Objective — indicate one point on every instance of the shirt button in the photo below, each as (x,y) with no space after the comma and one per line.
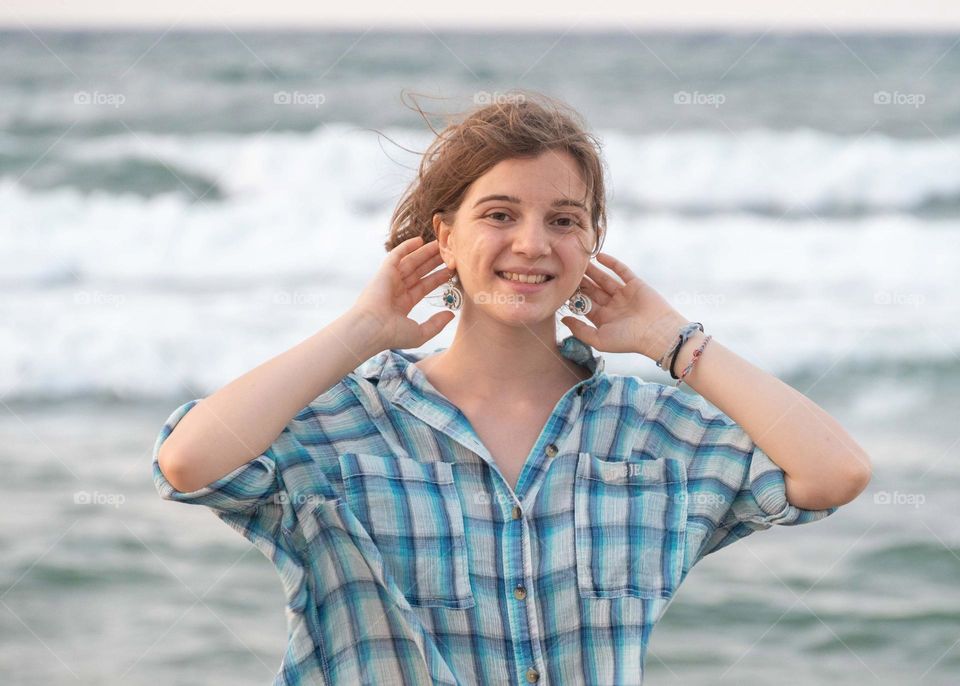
(517,512)
(533,676)
(551,450)
(520,592)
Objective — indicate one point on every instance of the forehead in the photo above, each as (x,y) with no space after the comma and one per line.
(542,179)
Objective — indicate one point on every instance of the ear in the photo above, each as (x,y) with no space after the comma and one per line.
(444,234)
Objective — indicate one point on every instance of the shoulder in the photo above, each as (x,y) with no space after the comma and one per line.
(644,396)
(673,414)
(344,397)
(670,401)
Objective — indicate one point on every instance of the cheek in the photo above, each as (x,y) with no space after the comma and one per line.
(584,242)
(485,252)
(573,259)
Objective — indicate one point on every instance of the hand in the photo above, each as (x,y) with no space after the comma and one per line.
(400,284)
(630,316)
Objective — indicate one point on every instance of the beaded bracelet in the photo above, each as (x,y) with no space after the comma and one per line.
(696,356)
(685,332)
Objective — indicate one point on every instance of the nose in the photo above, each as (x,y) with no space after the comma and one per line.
(532,238)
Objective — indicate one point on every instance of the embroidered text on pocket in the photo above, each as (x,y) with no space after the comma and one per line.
(630,519)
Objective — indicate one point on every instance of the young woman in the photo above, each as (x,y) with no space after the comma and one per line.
(502,510)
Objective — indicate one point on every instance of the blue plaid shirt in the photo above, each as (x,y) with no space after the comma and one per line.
(406,558)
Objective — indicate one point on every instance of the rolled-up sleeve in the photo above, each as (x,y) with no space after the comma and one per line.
(733,487)
(245,487)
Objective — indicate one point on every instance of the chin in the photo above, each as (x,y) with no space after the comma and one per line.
(525,314)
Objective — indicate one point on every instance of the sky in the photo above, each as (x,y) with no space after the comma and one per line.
(820,15)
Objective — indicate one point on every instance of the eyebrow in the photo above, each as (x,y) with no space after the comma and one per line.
(560,202)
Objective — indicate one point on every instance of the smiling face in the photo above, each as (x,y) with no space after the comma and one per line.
(523,215)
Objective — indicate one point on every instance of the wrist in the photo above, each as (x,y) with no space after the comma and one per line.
(686,355)
(662,340)
(364,332)
(686,350)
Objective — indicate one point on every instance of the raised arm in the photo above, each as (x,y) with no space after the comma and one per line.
(823,466)
(241,420)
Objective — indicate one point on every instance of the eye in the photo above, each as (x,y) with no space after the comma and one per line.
(496,213)
(573,220)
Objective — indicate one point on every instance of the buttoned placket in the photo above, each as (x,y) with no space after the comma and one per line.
(525,631)
(517,555)
(528,631)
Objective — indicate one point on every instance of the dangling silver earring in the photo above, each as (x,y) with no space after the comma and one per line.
(579,303)
(452,296)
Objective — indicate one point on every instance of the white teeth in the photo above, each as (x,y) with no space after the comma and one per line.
(524,278)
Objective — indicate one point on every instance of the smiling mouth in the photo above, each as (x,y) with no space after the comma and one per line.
(524,278)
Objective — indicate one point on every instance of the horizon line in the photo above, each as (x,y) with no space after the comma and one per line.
(606,27)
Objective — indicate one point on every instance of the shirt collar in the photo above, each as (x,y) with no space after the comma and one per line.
(391,366)
(402,384)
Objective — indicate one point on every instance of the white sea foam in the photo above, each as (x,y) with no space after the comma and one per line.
(704,171)
(146,296)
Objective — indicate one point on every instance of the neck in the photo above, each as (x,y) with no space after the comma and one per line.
(501,360)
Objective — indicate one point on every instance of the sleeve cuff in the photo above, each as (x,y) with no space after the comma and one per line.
(768,487)
(245,487)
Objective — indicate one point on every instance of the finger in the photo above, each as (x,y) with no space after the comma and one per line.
(405,247)
(621,269)
(424,255)
(401,250)
(435,324)
(429,283)
(425,267)
(603,280)
(594,292)
(581,330)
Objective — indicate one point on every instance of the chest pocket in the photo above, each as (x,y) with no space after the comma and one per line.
(412,512)
(630,526)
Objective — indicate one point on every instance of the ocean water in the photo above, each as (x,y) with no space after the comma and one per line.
(179,207)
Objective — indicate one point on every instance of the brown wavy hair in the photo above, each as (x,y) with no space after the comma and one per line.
(518,123)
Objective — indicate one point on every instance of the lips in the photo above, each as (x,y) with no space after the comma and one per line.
(523,287)
(549,277)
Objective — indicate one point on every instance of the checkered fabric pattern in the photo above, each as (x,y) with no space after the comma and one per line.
(406,557)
